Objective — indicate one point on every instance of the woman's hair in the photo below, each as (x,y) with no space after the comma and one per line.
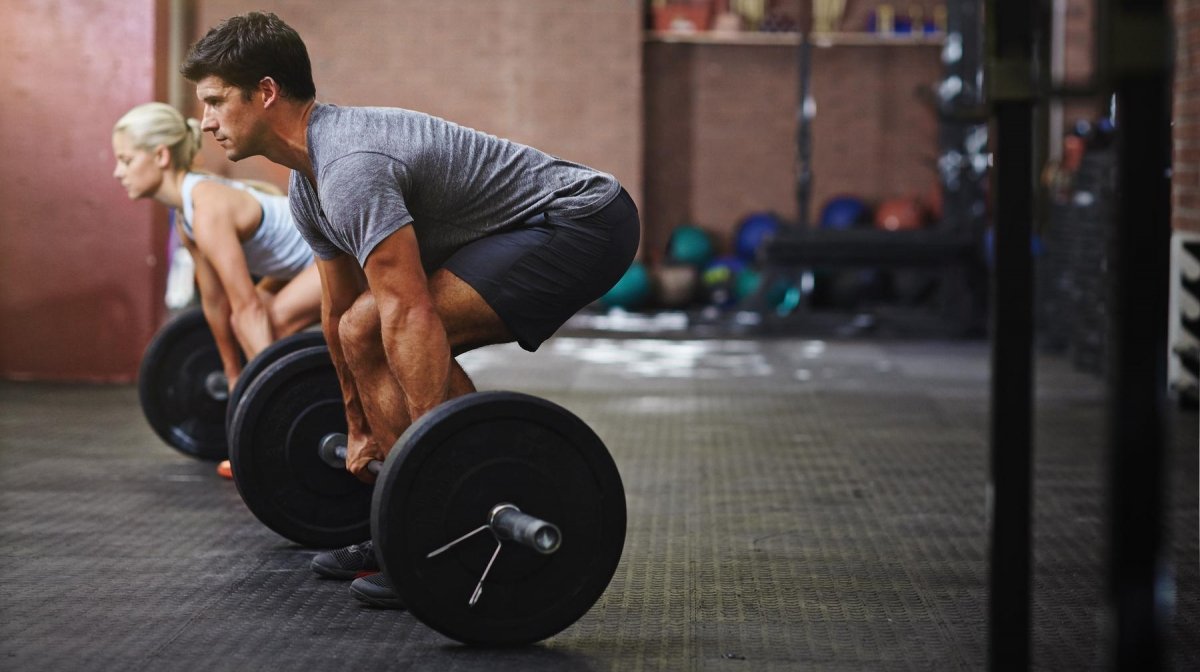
(153,124)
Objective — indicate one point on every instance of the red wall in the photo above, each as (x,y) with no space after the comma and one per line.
(82,272)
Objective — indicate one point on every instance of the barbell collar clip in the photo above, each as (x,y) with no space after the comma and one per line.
(509,522)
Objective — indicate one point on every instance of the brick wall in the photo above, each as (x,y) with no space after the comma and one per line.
(721,130)
(1185,184)
(562,76)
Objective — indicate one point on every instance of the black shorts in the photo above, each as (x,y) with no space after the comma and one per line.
(537,276)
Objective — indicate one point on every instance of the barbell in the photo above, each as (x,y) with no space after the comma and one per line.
(499,517)
(182,386)
(505,520)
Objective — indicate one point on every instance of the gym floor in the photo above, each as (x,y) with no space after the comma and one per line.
(793,504)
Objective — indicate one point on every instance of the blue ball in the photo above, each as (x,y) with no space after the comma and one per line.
(721,271)
(753,232)
(844,212)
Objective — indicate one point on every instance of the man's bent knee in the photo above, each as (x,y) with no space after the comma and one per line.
(359,329)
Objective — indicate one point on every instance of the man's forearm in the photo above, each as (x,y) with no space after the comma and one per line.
(418,355)
(356,419)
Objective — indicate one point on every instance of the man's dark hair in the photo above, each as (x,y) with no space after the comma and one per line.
(243,49)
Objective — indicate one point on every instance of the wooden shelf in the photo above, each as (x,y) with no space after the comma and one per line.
(822,40)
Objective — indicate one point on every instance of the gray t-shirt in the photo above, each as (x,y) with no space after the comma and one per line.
(379,169)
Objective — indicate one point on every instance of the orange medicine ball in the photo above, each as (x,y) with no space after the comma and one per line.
(899,214)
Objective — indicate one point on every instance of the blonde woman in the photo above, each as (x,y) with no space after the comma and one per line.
(233,230)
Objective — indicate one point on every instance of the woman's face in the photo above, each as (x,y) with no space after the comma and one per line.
(137,169)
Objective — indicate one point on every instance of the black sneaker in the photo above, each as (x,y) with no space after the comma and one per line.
(376,591)
(346,563)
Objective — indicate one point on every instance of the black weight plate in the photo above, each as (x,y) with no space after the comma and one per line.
(273,448)
(172,391)
(270,354)
(442,479)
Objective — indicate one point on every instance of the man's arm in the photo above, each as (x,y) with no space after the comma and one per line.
(216,211)
(414,337)
(341,285)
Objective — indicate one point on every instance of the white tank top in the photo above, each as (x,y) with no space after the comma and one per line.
(276,249)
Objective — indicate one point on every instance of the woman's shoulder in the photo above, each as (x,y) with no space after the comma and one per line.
(211,194)
(218,186)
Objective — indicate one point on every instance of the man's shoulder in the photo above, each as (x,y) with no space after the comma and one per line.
(347,138)
(333,120)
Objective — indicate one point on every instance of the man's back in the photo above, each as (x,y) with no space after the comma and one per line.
(379,169)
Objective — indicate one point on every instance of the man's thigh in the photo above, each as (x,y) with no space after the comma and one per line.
(536,277)
(469,320)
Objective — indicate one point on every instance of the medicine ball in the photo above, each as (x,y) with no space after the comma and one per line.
(844,212)
(753,231)
(631,290)
(689,245)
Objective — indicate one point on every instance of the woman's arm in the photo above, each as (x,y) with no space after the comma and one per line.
(218,210)
(215,305)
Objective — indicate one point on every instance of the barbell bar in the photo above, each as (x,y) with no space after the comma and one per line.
(505,520)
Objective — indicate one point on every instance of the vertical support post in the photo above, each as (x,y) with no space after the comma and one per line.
(805,112)
(1012,83)
(963,166)
(1139,584)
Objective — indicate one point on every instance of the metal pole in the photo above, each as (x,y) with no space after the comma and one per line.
(1012,76)
(805,112)
(1138,583)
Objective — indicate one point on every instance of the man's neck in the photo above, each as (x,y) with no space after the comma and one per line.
(291,150)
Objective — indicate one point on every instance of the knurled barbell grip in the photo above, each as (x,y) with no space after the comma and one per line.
(333,451)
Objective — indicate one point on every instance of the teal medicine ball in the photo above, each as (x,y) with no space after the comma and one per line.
(749,281)
(631,290)
(690,245)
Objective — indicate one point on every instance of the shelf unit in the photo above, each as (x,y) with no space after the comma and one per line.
(821,40)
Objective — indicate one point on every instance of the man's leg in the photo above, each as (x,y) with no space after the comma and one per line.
(469,323)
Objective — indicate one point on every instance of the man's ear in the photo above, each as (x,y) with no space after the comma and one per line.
(270,90)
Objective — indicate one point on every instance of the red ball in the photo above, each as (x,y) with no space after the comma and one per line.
(899,214)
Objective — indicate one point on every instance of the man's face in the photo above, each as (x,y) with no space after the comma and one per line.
(235,122)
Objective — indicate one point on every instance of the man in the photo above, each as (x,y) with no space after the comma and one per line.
(431,239)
